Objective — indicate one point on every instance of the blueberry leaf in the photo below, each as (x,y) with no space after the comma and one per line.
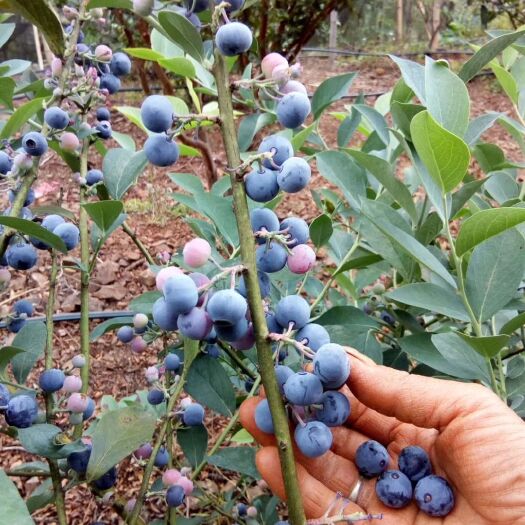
(14,509)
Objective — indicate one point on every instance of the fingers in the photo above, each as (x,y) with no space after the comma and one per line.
(247,419)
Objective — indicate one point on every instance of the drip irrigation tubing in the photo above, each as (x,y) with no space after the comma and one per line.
(345,52)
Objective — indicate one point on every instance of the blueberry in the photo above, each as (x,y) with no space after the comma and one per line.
(263,417)
(296,229)
(89,410)
(231,333)
(125,334)
(120,64)
(51,380)
(34,143)
(434,496)
(242,509)
(5,396)
(264,285)
(293,109)
(175,496)
(164,315)
(103,114)
(104,129)
(15,325)
(303,388)
(388,318)
(157,113)
(78,461)
(5,163)
(227,307)
(263,219)
(161,151)
(94,176)
(69,233)
(371,459)
(172,362)
(313,439)
(414,463)
(110,82)
(56,118)
(196,6)
(280,146)
(294,175)
(162,458)
(233,39)
(23,306)
(155,396)
(271,257)
(273,326)
(332,365)
(292,309)
(335,411)
(313,336)
(194,19)
(181,294)
(261,186)
(50,222)
(282,373)
(394,489)
(21,256)
(213,351)
(248,385)
(107,480)
(193,415)
(21,411)
(246,341)
(30,198)
(196,324)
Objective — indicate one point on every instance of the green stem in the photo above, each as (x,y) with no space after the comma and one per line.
(138,243)
(27,474)
(247,245)
(15,385)
(236,359)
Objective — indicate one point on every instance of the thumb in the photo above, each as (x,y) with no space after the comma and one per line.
(423,401)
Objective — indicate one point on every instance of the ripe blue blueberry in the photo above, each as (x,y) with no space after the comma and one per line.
(248,385)
(34,143)
(5,396)
(246,341)
(21,256)
(155,396)
(193,415)
(30,198)
(233,39)
(332,365)
(180,293)
(107,480)
(103,114)
(280,146)
(293,109)
(5,163)
(263,219)
(69,233)
(227,307)
(294,175)
(196,324)
(242,509)
(296,229)
(394,489)
(125,334)
(50,222)
(196,6)
(89,410)
(51,380)
(94,176)
(172,362)
(165,316)
(303,388)
(261,186)
(157,113)
(388,318)
(120,64)
(271,257)
(194,19)
(263,417)
(213,351)
(23,306)
(371,459)
(15,325)
(104,130)
(434,496)
(292,309)
(232,333)
(110,82)
(21,411)
(161,151)
(264,285)
(313,439)
(271,322)
(335,410)
(414,463)
(162,458)
(313,336)
(175,496)
(78,461)
(56,118)
(282,373)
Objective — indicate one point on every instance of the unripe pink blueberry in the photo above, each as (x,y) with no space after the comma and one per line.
(78,361)
(143,7)
(77,402)
(165,274)
(185,471)
(186,484)
(171,477)
(138,345)
(302,259)
(270,61)
(152,374)
(57,92)
(103,53)
(144,451)
(23,161)
(130,505)
(281,73)
(5,275)
(293,86)
(140,321)
(185,402)
(69,141)
(196,252)
(56,67)
(296,70)
(72,384)
(251,512)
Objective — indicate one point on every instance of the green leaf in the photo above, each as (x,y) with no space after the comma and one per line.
(31,466)
(302,136)
(237,459)
(413,75)
(494,272)
(444,154)
(123,140)
(7,87)
(104,213)
(6,30)
(6,355)
(40,497)
(144,303)
(250,125)
(10,68)
(463,195)
(12,507)
(514,324)
(121,170)
(40,14)
(220,211)
(359,262)
(243,437)
(45,440)
(117,434)
(447,98)
(376,120)
(321,230)
(431,297)
(330,91)
(486,53)
(507,82)
(48,209)
(209,384)
(181,31)
(144,53)
(20,117)
(108,326)
(384,173)
(479,125)
(347,128)
(193,441)
(133,115)
(117,4)
(403,113)
(32,340)
(487,346)
(485,224)
(187,182)
(34,230)
(179,65)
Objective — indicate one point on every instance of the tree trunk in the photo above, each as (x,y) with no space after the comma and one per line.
(400,30)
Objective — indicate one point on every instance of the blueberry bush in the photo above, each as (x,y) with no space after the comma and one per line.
(424,269)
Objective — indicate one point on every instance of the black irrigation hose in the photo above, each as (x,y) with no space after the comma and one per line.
(344,52)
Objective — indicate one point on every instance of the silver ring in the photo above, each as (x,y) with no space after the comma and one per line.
(354,494)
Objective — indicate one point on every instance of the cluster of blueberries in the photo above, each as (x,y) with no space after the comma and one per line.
(17,318)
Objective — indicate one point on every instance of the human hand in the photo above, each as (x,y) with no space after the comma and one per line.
(473,439)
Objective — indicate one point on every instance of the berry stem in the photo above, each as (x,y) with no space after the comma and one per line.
(138,243)
(247,245)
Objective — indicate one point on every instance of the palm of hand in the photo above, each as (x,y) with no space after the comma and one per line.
(473,440)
